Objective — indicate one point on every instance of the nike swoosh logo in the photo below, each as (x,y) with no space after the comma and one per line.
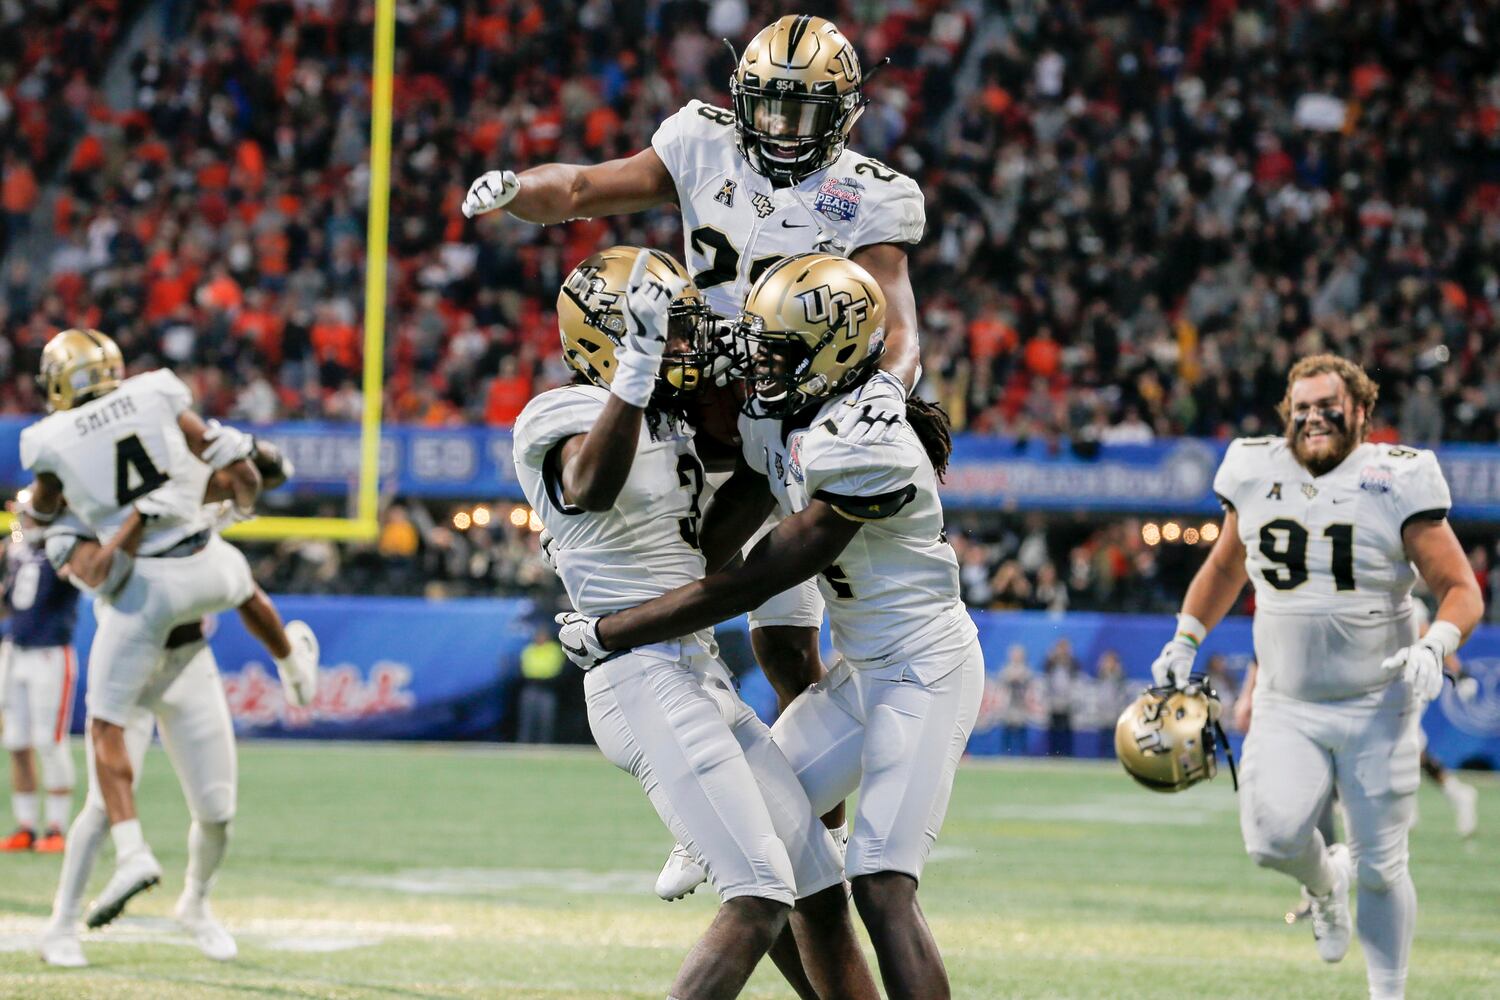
(580,651)
(787,225)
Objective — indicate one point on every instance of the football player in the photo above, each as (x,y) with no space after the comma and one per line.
(609,465)
(1327,527)
(38,677)
(133,464)
(892,717)
(771,176)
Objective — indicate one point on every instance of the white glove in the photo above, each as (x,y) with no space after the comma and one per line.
(223,445)
(1421,666)
(1174,664)
(547,541)
(647,302)
(227,515)
(579,635)
(875,413)
(299,670)
(724,364)
(491,190)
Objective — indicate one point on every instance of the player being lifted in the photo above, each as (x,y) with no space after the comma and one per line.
(133,465)
(38,677)
(609,465)
(769,177)
(1327,527)
(893,715)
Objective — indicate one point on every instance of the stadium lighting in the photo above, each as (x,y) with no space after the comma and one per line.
(1190,535)
(461,520)
(533,522)
(1171,531)
(519,516)
(1150,533)
(481,516)
(1210,532)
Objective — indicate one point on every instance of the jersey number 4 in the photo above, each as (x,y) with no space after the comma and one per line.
(1284,541)
(132,463)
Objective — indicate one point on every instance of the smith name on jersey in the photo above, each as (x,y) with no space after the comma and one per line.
(647,543)
(113,450)
(736,224)
(895,586)
(1325,555)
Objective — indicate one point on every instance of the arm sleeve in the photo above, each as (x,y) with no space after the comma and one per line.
(1420,491)
(899,214)
(861,482)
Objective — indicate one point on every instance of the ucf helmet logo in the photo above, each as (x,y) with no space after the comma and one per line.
(835,308)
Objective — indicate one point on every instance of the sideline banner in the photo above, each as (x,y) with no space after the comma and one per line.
(408,668)
(474,463)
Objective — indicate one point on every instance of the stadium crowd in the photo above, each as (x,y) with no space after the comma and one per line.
(1136,217)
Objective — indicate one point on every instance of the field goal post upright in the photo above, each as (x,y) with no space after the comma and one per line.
(365,525)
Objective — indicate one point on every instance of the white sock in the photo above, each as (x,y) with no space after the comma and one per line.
(85,838)
(59,805)
(127,837)
(207,843)
(1453,788)
(23,804)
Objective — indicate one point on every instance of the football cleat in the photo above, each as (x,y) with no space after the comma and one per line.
(134,874)
(213,940)
(52,843)
(680,876)
(22,840)
(60,947)
(1331,922)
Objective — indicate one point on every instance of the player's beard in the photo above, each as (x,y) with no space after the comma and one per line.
(1343,439)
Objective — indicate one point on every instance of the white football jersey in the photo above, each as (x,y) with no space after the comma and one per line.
(735,224)
(894,588)
(1325,555)
(119,447)
(647,543)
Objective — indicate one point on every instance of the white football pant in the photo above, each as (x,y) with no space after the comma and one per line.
(37,707)
(161,594)
(668,714)
(895,731)
(1294,756)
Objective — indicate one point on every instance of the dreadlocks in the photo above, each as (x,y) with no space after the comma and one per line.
(930,421)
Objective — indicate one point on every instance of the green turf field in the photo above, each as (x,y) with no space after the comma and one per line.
(405,872)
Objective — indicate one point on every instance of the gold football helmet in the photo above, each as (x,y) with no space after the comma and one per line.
(591,319)
(79,365)
(796,95)
(813,326)
(1168,739)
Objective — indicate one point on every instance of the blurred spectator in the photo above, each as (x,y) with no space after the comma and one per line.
(542,663)
(1112,694)
(1019,685)
(1067,697)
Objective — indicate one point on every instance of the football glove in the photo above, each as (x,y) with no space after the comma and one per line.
(579,635)
(1174,664)
(1421,663)
(224,445)
(491,190)
(547,541)
(648,299)
(875,412)
(299,669)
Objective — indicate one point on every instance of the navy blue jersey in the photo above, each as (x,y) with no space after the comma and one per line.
(43,608)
